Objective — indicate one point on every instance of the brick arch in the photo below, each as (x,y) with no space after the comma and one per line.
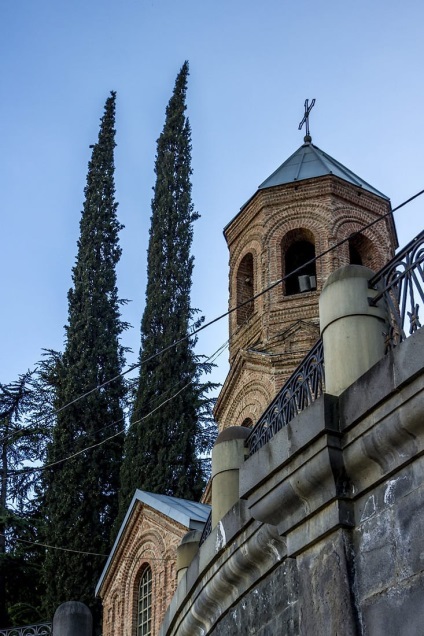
(141,588)
(139,540)
(252,247)
(298,238)
(147,550)
(354,221)
(344,215)
(249,401)
(309,217)
(252,240)
(314,216)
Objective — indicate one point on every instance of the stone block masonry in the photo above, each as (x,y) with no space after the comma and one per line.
(327,537)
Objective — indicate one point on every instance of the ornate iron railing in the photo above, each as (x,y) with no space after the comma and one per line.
(207,529)
(40,629)
(400,286)
(301,389)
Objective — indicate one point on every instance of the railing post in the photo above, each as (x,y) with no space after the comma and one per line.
(228,454)
(353,332)
(186,551)
(72,619)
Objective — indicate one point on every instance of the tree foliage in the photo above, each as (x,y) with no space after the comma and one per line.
(164,439)
(23,438)
(80,494)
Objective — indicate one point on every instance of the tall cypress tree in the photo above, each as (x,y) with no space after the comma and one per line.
(81,493)
(160,448)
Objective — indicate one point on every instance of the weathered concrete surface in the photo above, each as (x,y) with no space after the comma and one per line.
(228,454)
(72,619)
(398,613)
(352,330)
(326,602)
(270,608)
(389,548)
(328,538)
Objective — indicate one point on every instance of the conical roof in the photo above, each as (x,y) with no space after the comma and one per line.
(309,162)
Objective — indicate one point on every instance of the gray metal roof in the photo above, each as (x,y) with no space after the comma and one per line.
(188,513)
(309,162)
(191,514)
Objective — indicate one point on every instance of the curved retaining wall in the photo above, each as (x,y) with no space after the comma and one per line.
(328,536)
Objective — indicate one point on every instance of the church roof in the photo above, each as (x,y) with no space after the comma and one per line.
(191,514)
(309,162)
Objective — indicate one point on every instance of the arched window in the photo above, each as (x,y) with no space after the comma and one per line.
(245,289)
(144,614)
(247,422)
(298,248)
(360,250)
(354,255)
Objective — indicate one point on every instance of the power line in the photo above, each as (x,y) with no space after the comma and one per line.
(33,469)
(83,450)
(55,547)
(187,336)
(204,326)
(19,433)
(230,311)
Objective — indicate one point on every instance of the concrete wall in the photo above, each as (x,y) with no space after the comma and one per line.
(328,536)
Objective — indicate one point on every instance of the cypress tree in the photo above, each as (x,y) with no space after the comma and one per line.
(163,438)
(80,494)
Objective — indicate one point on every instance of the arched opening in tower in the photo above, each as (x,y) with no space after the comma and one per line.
(298,249)
(245,289)
(360,250)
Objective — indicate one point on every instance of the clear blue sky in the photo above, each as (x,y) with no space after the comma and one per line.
(252,65)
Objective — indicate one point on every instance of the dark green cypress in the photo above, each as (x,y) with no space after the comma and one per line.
(81,493)
(160,447)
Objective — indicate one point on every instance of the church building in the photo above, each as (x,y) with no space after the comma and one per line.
(306,207)
(310,206)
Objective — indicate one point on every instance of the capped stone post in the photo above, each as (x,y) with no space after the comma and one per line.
(352,330)
(228,455)
(72,619)
(186,551)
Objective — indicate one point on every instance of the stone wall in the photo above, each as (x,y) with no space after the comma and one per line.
(328,536)
(271,608)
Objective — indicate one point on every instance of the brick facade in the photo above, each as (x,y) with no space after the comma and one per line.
(270,336)
(149,539)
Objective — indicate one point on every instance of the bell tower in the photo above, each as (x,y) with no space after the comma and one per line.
(308,205)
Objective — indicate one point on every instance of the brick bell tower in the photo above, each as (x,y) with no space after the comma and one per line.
(309,204)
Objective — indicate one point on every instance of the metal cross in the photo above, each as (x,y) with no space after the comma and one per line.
(305,119)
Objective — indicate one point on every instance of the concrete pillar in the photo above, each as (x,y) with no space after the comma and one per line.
(352,330)
(186,552)
(72,619)
(228,455)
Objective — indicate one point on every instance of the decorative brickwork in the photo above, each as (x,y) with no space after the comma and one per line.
(269,337)
(149,539)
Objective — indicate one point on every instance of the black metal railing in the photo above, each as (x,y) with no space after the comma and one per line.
(400,286)
(40,629)
(207,529)
(301,389)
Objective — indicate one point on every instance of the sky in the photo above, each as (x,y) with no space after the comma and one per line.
(252,65)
